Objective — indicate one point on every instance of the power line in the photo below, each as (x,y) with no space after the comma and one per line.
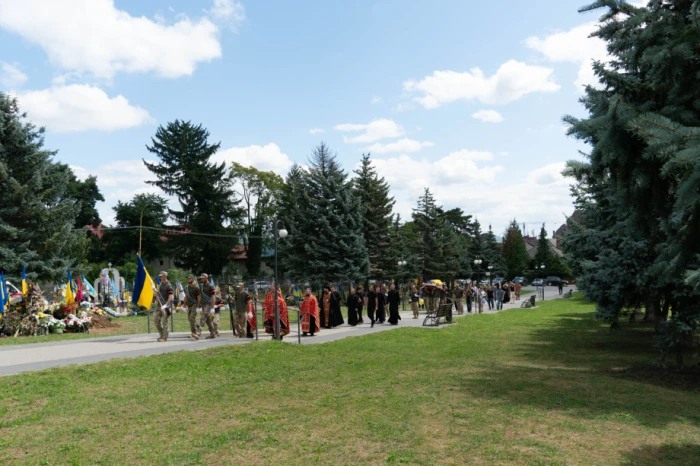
(170,231)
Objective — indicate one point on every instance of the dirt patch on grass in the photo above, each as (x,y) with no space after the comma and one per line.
(100,322)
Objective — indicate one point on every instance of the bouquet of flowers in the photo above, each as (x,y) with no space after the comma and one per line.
(75,324)
(55,325)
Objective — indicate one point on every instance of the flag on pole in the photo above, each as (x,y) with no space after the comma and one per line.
(3,293)
(89,287)
(143,286)
(70,296)
(25,287)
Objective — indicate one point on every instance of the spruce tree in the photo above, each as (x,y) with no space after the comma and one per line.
(436,243)
(37,213)
(636,242)
(292,251)
(544,253)
(204,191)
(376,207)
(492,254)
(328,224)
(514,251)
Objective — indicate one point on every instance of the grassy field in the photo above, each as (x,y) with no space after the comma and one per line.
(542,386)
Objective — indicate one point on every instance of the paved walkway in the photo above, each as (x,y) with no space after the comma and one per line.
(31,357)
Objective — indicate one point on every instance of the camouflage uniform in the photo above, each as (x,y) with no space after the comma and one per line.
(207,293)
(192,295)
(161,317)
(239,317)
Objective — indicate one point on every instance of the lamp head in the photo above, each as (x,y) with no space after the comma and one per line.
(283,233)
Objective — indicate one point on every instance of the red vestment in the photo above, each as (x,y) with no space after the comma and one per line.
(309,308)
(251,317)
(269,315)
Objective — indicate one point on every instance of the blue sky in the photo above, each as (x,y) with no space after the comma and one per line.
(396,77)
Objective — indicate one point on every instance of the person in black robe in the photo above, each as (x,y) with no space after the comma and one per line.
(354,306)
(371,303)
(394,299)
(336,315)
(324,307)
(381,304)
(361,298)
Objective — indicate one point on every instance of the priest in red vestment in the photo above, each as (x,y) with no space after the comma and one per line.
(269,315)
(251,317)
(310,320)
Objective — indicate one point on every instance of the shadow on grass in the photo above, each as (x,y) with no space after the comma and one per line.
(568,362)
(668,455)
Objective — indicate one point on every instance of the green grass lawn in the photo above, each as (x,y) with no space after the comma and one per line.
(541,386)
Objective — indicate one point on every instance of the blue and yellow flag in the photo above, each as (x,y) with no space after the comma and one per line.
(70,295)
(90,288)
(25,287)
(143,286)
(4,299)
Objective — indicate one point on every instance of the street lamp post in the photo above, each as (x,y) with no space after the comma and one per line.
(477,262)
(278,234)
(489,274)
(402,264)
(543,278)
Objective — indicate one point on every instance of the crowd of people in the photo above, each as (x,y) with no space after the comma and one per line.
(380,304)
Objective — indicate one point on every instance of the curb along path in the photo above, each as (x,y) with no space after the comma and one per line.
(15,359)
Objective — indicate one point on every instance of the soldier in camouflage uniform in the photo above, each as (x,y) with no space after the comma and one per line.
(163,313)
(208,297)
(193,302)
(239,317)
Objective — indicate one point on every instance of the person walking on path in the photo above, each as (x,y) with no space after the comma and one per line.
(381,304)
(415,301)
(208,296)
(361,304)
(269,315)
(193,303)
(499,295)
(489,297)
(470,297)
(310,320)
(324,310)
(371,303)
(459,296)
(239,317)
(394,299)
(518,288)
(251,317)
(163,314)
(561,287)
(353,307)
(481,298)
(336,314)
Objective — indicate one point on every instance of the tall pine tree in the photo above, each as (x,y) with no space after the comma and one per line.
(327,229)
(514,251)
(37,212)
(204,192)
(376,206)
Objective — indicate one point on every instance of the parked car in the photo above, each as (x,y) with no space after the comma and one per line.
(14,292)
(554,281)
(497,280)
(521,280)
(538,282)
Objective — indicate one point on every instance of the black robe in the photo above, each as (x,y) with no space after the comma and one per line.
(394,301)
(336,317)
(381,307)
(354,301)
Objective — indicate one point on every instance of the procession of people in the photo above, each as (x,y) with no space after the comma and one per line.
(204,304)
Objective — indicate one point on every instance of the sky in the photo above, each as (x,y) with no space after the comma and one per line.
(463,97)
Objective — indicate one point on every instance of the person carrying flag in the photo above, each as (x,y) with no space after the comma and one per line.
(251,316)
(193,303)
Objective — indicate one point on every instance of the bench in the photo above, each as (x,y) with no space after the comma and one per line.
(529,303)
(444,311)
(569,294)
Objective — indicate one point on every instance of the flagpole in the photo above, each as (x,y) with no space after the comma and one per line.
(141,228)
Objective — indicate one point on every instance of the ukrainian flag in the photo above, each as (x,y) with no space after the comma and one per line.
(90,288)
(143,286)
(70,296)
(3,294)
(25,287)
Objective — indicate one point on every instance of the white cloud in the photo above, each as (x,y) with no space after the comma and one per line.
(10,76)
(80,107)
(316,131)
(267,158)
(227,12)
(372,131)
(512,81)
(488,116)
(376,100)
(403,107)
(574,46)
(466,180)
(94,36)
(403,145)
